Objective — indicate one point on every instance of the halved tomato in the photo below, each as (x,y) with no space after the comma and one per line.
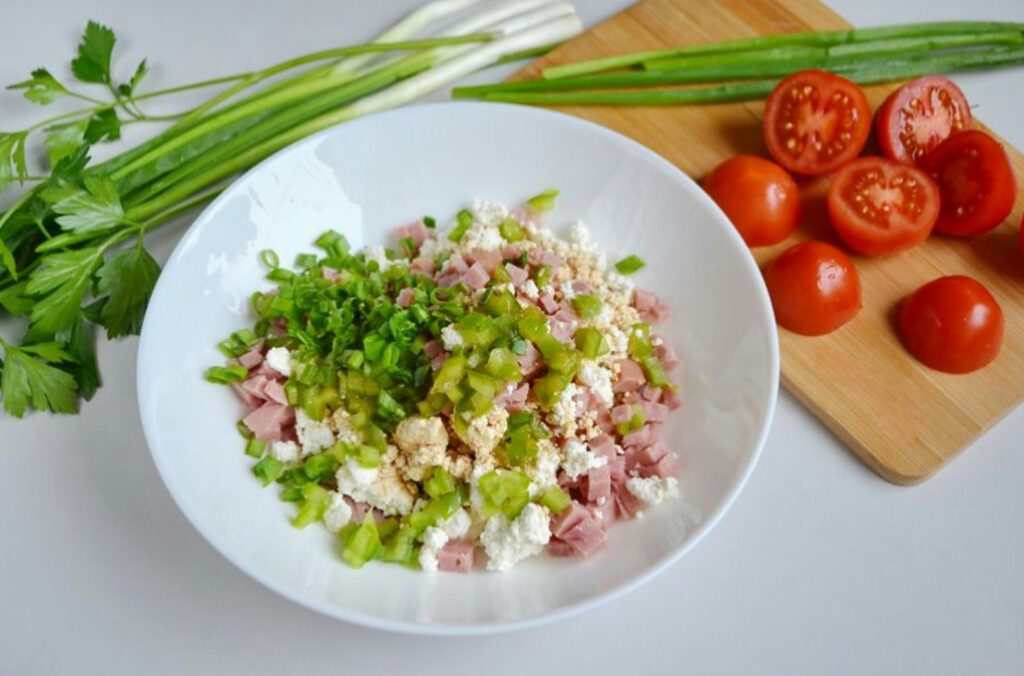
(878,206)
(975,180)
(814,288)
(919,116)
(759,197)
(815,122)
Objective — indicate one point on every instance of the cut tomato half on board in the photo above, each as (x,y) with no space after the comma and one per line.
(879,206)
(919,116)
(815,122)
(814,288)
(975,180)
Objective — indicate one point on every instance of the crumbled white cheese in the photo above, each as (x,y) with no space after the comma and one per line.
(314,435)
(434,540)
(507,543)
(544,470)
(620,284)
(579,459)
(579,234)
(343,429)
(617,341)
(488,213)
(280,359)
(598,379)
(653,490)
(483,433)
(436,246)
(451,338)
(486,237)
(656,341)
(338,513)
(457,525)
(563,413)
(568,292)
(353,478)
(530,290)
(424,442)
(379,487)
(285,451)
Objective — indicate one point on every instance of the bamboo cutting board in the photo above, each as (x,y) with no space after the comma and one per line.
(902,419)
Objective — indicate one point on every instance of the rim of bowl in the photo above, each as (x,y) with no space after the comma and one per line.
(570,610)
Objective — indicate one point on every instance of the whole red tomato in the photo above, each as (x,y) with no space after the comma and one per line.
(759,197)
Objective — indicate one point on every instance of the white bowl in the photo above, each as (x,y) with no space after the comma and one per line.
(363,179)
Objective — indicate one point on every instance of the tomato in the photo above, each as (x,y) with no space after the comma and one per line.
(758,196)
(919,116)
(975,180)
(814,288)
(815,122)
(878,206)
(952,324)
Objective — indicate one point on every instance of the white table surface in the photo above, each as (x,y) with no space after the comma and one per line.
(820,567)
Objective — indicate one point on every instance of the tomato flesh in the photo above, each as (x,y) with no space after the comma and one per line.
(759,197)
(919,116)
(976,183)
(952,324)
(878,206)
(814,122)
(814,288)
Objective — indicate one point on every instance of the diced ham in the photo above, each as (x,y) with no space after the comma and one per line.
(423,265)
(538,256)
(604,421)
(450,279)
(455,264)
(668,466)
(587,536)
(569,519)
(604,446)
(563,331)
(405,296)
(631,376)
(650,455)
(518,274)
(330,274)
(579,286)
(456,556)
(255,385)
(599,484)
(631,398)
(617,468)
(360,510)
(582,400)
(476,277)
(654,412)
(650,393)
(565,313)
(432,348)
(645,436)
(416,231)
(489,260)
(606,512)
(560,548)
(521,214)
(672,400)
(511,252)
(650,306)
(274,391)
(437,361)
(549,304)
(666,354)
(251,401)
(264,370)
(254,356)
(515,400)
(267,422)
(530,362)
(622,414)
(627,503)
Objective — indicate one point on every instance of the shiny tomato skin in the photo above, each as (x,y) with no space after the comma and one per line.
(879,206)
(814,288)
(759,197)
(952,324)
(919,116)
(976,183)
(815,122)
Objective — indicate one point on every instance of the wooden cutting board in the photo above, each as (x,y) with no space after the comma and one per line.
(902,419)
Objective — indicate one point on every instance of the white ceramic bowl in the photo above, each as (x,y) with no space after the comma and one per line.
(363,179)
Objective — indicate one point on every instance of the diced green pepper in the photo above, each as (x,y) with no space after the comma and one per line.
(362,543)
(502,363)
(223,375)
(315,501)
(268,469)
(439,483)
(484,384)
(511,230)
(555,499)
(255,448)
(463,222)
(542,202)
(591,342)
(587,305)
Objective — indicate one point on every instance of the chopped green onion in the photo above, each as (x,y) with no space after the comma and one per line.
(223,375)
(629,265)
(429,222)
(587,306)
(463,222)
(520,346)
(555,499)
(269,259)
(543,202)
(362,543)
(255,448)
(268,469)
(320,466)
(368,456)
(244,430)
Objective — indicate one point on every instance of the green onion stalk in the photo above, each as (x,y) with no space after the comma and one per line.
(66,244)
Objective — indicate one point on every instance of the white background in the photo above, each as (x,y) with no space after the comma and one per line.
(820,567)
